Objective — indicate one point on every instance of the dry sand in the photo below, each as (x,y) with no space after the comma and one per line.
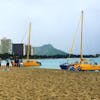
(44,84)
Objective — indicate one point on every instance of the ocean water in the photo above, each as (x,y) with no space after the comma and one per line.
(54,63)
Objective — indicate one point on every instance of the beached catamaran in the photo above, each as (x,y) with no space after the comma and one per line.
(29,62)
(82,64)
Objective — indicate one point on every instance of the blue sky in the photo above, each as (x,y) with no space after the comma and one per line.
(53,22)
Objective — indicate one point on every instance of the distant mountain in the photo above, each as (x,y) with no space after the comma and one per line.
(48,50)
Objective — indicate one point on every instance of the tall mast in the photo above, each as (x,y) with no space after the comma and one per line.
(28,47)
(81,47)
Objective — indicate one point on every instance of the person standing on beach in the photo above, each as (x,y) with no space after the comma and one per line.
(20,63)
(16,61)
(7,63)
(0,62)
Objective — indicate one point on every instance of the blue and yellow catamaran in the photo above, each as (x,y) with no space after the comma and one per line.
(82,64)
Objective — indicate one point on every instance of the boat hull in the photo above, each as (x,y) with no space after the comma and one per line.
(87,67)
(64,66)
(31,63)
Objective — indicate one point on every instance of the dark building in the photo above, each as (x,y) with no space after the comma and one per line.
(18,49)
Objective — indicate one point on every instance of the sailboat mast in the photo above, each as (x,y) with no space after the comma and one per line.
(28,49)
(81,45)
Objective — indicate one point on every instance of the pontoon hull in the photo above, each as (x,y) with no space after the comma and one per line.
(31,63)
(64,66)
(87,67)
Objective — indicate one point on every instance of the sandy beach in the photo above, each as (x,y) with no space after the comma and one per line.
(47,84)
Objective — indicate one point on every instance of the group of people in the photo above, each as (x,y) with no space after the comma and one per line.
(12,62)
(17,62)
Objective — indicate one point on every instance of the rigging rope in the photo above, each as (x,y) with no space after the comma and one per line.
(73,42)
(24,38)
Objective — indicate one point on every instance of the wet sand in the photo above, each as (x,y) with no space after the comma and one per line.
(44,84)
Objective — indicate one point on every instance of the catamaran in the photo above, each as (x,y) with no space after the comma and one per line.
(29,62)
(82,64)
